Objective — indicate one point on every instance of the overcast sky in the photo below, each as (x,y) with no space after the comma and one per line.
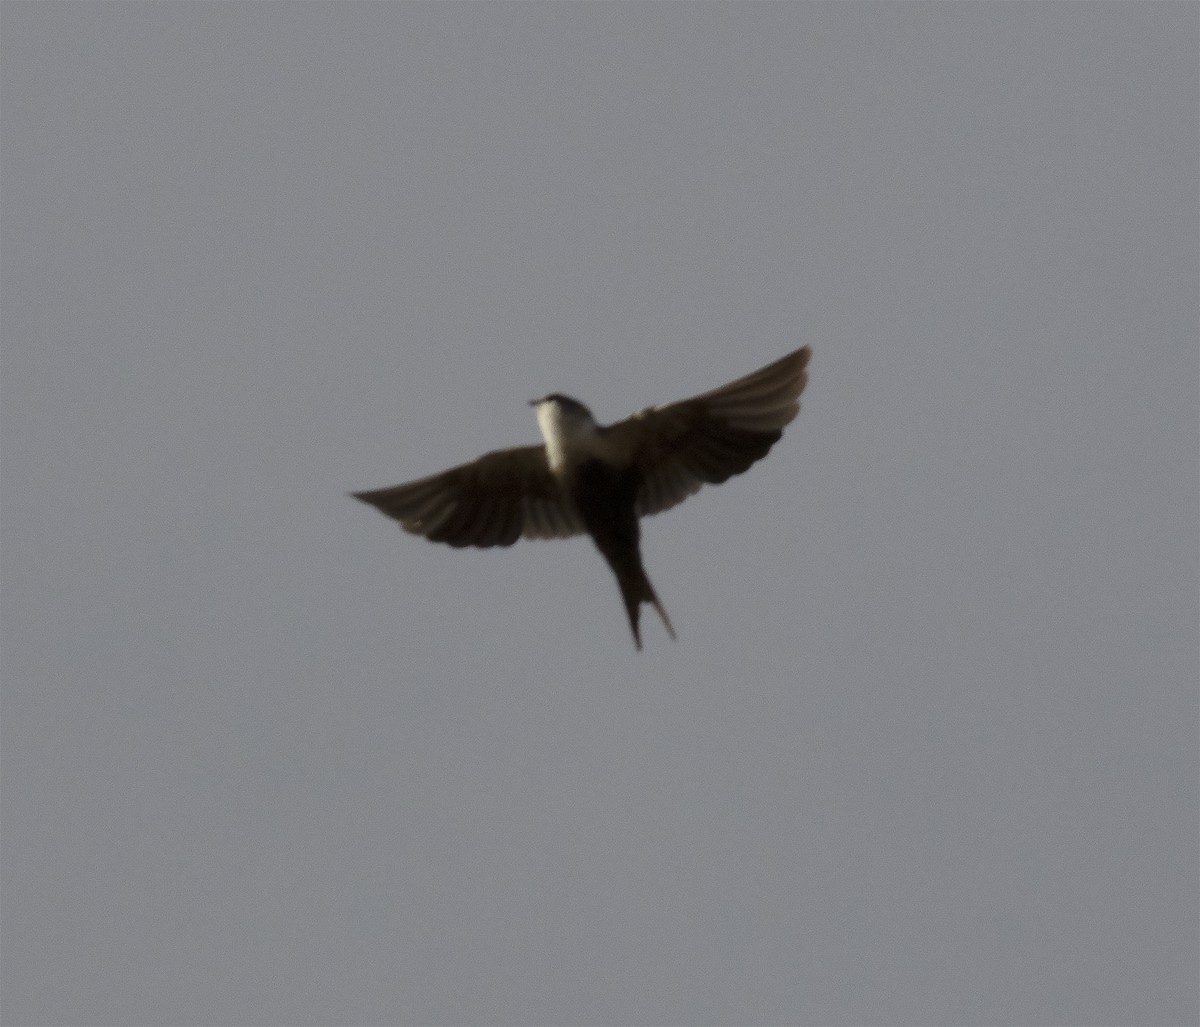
(926,748)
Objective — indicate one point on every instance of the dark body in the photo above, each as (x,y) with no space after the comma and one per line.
(605,497)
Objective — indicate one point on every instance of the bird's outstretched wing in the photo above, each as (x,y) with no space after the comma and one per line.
(492,501)
(709,438)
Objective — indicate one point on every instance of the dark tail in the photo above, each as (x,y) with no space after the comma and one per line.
(635,590)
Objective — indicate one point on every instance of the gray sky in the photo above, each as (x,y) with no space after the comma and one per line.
(926,749)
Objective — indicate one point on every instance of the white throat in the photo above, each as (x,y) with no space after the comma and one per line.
(570,434)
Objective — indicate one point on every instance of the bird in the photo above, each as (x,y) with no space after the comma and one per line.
(599,480)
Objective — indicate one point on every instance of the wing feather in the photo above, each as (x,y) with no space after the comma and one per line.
(707,439)
(492,501)
(679,447)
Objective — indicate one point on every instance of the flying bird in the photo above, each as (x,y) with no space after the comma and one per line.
(599,480)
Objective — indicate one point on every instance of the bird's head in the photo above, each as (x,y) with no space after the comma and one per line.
(566,424)
(565,407)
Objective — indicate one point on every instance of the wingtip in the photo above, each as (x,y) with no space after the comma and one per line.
(800,357)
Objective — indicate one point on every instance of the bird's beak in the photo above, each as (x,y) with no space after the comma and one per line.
(534,402)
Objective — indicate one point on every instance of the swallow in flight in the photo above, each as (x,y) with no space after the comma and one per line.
(597,479)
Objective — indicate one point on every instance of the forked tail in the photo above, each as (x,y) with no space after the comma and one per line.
(635,590)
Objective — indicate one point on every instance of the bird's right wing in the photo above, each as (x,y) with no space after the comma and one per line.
(678,447)
(492,501)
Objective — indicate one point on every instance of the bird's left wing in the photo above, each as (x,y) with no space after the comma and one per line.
(492,501)
(709,438)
